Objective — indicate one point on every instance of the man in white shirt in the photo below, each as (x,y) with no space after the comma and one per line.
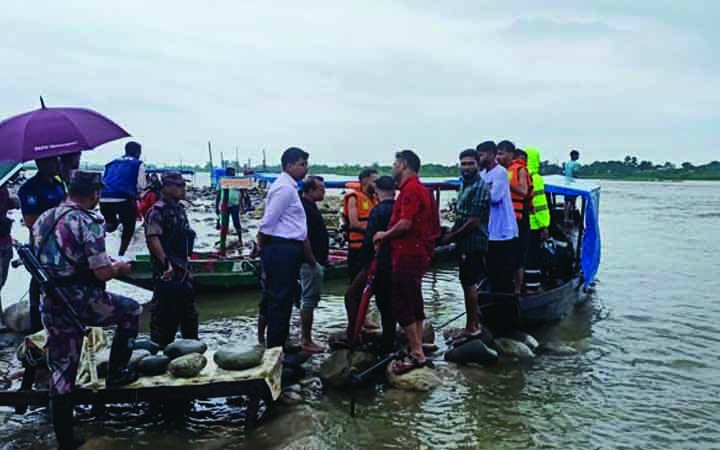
(502,227)
(283,246)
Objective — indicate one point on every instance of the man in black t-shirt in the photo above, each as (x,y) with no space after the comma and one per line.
(311,278)
(382,285)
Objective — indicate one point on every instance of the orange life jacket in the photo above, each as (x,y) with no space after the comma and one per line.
(363,205)
(521,204)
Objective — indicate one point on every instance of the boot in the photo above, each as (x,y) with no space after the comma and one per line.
(118,372)
(62,415)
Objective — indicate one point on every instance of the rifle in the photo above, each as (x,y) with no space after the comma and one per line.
(47,285)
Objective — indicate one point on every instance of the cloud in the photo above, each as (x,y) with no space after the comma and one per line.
(354,81)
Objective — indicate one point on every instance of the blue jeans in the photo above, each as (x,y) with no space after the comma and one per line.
(281,260)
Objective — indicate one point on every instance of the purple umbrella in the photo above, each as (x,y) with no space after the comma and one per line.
(55,131)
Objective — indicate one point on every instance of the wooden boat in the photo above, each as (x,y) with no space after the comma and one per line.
(213,272)
(560,295)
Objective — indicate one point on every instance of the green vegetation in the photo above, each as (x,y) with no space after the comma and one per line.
(628,169)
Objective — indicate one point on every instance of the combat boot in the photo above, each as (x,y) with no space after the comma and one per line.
(118,372)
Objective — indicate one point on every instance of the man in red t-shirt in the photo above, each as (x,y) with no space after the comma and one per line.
(414,226)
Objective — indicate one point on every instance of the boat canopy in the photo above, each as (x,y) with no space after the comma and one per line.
(590,193)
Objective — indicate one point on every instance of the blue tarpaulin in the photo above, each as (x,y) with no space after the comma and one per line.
(591,249)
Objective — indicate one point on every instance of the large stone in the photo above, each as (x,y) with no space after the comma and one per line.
(187,366)
(182,347)
(233,358)
(136,357)
(421,380)
(153,365)
(362,360)
(556,348)
(523,337)
(472,351)
(335,371)
(16,317)
(510,347)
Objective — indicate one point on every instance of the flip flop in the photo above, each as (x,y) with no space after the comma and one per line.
(408,364)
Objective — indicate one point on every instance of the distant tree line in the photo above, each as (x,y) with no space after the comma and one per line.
(628,169)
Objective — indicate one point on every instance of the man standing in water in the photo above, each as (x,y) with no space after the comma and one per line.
(357,205)
(38,194)
(281,243)
(382,284)
(470,233)
(502,227)
(311,278)
(413,229)
(70,245)
(124,180)
(170,241)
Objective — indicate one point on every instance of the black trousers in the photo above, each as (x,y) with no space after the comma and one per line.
(382,287)
(354,262)
(281,260)
(120,213)
(173,306)
(501,260)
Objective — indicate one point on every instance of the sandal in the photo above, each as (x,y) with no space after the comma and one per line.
(464,337)
(408,364)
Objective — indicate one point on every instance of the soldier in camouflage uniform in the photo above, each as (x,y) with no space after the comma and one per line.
(70,245)
(170,241)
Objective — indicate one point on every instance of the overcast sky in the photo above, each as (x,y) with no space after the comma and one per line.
(355,81)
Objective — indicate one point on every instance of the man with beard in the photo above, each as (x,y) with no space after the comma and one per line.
(502,227)
(470,234)
(414,227)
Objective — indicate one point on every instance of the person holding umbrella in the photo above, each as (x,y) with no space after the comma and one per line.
(42,135)
(38,194)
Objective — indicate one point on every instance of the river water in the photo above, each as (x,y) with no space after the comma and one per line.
(644,375)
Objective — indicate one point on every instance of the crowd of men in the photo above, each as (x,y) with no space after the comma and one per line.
(502,217)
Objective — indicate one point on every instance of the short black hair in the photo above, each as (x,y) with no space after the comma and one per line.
(311,183)
(368,172)
(411,159)
(385,183)
(468,153)
(506,146)
(230,171)
(519,153)
(293,155)
(574,155)
(133,149)
(487,146)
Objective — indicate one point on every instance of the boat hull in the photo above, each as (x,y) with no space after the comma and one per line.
(537,309)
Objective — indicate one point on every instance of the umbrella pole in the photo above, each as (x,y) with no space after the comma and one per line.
(224,216)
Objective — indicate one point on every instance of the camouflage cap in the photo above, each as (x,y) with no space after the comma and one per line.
(173,178)
(84,181)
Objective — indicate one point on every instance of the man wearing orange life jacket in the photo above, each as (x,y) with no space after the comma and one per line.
(357,204)
(521,190)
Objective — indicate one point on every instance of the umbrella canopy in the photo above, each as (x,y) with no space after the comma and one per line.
(49,132)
